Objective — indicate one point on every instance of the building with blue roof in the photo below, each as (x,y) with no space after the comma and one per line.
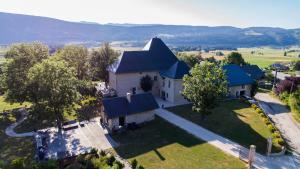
(254,71)
(133,108)
(155,60)
(239,82)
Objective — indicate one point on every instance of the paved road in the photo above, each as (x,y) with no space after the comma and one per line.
(282,118)
(228,146)
(280,75)
(10,129)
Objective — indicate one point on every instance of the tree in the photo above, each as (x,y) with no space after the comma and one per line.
(76,57)
(285,53)
(205,84)
(146,83)
(55,87)
(21,57)
(100,60)
(235,58)
(190,60)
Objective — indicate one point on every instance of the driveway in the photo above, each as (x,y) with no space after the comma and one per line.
(283,119)
(80,140)
(280,75)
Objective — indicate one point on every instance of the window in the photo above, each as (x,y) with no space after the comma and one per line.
(243,86)
(169,84)
(167,95)
(155,78)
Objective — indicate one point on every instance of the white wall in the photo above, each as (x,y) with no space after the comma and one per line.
(133,118)
(126,81)
(173,93)
(234,89)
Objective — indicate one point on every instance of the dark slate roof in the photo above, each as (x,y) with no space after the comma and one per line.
(155,56)
(253,71)
(236,76)
(176,71)
(119,106)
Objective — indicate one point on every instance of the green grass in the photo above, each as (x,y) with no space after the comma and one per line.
(161,145)
(234,120)
(263,57)
(4,105)
(11,147)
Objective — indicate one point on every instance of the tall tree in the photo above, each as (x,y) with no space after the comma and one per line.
(56,87)
(77,57)
(146,83)
(235,58)
(205,84)
(100,60)
(21,57)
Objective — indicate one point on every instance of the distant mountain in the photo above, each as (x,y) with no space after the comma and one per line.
(24,28)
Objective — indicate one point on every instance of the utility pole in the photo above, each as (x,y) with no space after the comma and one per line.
(275,78)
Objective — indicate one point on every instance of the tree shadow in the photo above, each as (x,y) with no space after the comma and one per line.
(150,137)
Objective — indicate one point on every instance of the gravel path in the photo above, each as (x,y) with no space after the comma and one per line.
(10,129)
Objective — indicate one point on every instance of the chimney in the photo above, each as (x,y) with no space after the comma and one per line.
(129,96)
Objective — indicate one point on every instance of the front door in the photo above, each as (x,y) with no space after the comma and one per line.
(121,121)
(242,93)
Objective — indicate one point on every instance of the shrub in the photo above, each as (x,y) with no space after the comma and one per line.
(276,134)
(263,115)
(111,160)
(259,110)
(254,106)
(102,153)
(140,167)
(94,151)
(133,163)
(280,141)
(117,165)
(18,163)
(271,128)
(266,120)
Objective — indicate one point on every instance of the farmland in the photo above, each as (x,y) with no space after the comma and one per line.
(262,57)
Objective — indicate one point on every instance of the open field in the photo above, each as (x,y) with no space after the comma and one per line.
(234,120)
(262,57)
(160,145)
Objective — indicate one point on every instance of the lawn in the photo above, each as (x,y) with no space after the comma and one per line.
(161,145)
(4,105)
(234,120)
(10,147)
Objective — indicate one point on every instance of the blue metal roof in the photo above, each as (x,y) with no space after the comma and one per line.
(176,71)
(236,76)
(155,56)
(120,106)
(253,71)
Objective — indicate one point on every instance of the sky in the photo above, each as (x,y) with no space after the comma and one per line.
(239,13)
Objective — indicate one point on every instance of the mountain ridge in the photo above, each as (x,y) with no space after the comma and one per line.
(26,28)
